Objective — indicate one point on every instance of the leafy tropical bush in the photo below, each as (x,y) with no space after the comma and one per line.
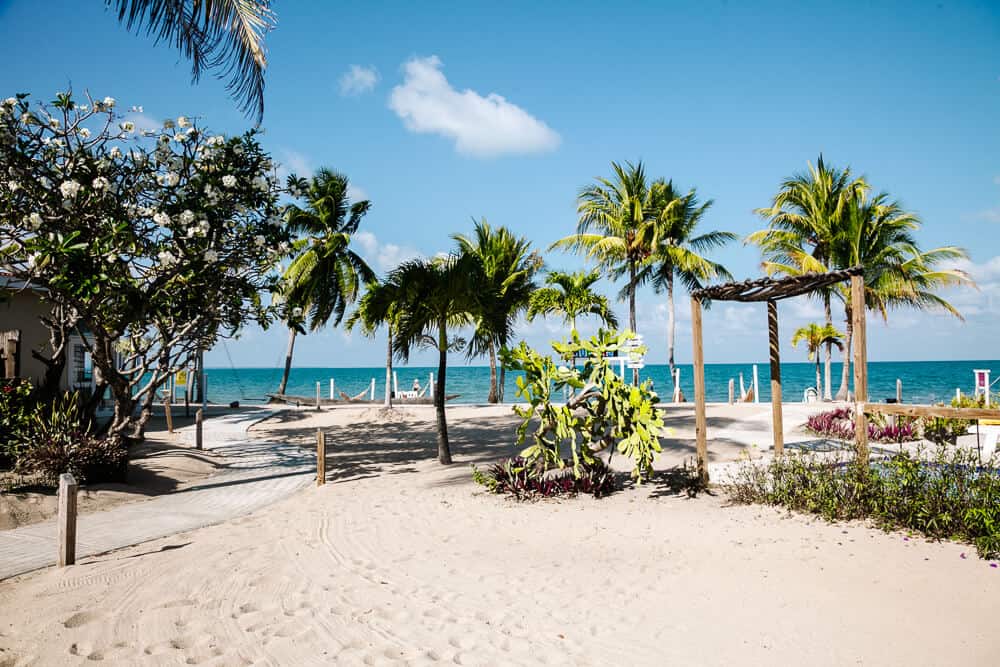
(603,414)
(516,476)
(944,495)
(60,439)
(16,411)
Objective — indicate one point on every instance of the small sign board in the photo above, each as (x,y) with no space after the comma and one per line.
(181,379)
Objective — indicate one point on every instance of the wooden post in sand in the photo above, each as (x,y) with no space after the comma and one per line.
(860,368)
(166,411)
(199,416)
(776,422)
(899,390)
(318,398)
(67,519)
(699,393)
(732,391)
(331,389)
(320,457)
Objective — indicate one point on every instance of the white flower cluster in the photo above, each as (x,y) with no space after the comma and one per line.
(211,256)
(127,126)
(167,258)
(107,104)
(201,229)
(100,183)
(69,189)
(229,181)
(261,183)
(161,218)
(34,221)
(169,179)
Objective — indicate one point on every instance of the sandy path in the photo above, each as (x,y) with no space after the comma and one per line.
(403,561)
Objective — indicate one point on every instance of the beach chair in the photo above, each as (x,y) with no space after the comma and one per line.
(989,433)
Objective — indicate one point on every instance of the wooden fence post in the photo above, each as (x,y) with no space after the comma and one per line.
(701,437)
(199,416)
(67,519)
(320,457)
(899,390)
(318,399)
(732,390)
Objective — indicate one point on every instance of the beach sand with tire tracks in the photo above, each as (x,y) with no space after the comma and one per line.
(399,560)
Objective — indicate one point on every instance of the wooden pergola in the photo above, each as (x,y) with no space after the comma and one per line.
(772,290)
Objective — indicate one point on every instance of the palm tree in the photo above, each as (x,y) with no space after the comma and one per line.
(571,295)
(804,216)
(614,215)
(325,274)
(433,296)
(826,221)
(508,267)
(878,235)
(815,337)
(677,253)
(379,305)
(222,35)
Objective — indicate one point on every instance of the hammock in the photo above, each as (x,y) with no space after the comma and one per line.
(345,397)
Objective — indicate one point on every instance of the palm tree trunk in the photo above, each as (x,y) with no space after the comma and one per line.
(846,370)
(494,395)
(388,371)
(444,451)
(631,311)
(819,384)
(829,351)
(288,362)
(500,385)
(670,325)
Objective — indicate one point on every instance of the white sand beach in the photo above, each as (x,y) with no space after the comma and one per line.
(399,560)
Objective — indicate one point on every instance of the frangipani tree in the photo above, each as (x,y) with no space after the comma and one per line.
(155,243)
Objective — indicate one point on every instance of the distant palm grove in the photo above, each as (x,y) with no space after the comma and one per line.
(634,230)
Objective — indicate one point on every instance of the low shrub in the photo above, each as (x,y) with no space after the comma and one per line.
(945,495)
(60,440)
(517,477)
(839,424)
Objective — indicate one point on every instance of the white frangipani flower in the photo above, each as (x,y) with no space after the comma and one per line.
(211,256)
(296,312)
(100,183)
(127,126)
(109,102)
(115,152)
(229,181)
(161,218)
(53,123)
(259,241)
(180,137)
(183,122)
(13,186)
(69,189)
(187,217)
(84,132)
(167,258)
(10,101)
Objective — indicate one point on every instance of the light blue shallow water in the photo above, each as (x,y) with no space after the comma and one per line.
(923,381)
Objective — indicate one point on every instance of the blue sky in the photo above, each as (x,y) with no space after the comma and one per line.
(443,112)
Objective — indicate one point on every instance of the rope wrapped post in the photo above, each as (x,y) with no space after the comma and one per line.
(777,426)
(860,368)
(320,457)
(700,425)
(67,519)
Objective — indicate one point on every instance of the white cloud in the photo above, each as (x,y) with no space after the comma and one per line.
(292,162)
(358,80)
(481,126)
(144,123)
(383,256)
(356,194)
(990,214)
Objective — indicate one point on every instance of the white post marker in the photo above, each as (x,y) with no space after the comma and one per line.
(395,383)
(372,391)
(317,395)
(430,386)
(756,388)
(677,385)
(332,397)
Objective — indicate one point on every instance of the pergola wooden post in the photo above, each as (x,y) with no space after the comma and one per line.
(777,428)
(701,436)
(771,291)
(858,321)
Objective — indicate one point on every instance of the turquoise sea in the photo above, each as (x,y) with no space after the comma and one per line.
(923,381)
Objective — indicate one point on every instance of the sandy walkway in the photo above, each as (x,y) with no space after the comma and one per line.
(402,560)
